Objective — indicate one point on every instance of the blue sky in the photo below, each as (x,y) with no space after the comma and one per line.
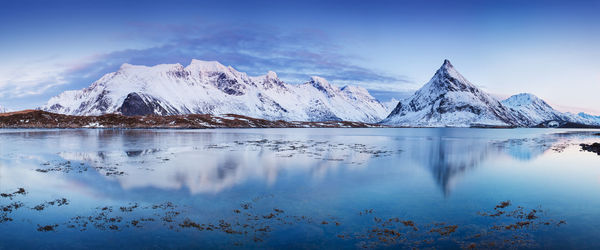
(549,48)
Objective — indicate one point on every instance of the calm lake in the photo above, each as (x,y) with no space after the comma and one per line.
(299,188)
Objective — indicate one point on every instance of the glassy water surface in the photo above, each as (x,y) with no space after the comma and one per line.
(299,188)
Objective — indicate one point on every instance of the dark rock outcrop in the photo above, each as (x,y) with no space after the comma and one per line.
(136,104)
(594,147)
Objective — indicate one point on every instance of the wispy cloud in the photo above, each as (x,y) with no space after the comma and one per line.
(252,49)
(255,50)
(30,79)
(249,48)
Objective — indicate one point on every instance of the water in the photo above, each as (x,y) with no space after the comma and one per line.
(299,188)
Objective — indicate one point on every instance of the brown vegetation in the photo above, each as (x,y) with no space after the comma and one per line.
(43,119)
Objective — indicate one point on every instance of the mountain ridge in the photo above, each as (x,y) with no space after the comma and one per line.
(448,99)
(209,87)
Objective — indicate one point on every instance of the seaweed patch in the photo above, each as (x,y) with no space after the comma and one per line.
(58,202)
(20,191)
(253,222)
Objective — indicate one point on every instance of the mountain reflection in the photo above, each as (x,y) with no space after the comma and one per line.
(215,163)
(450,158)
(218,167)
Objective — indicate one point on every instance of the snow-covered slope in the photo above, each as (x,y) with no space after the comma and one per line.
(448,99)
(209,87)
(391,104)
(538,111)
(534,108)
(587,118)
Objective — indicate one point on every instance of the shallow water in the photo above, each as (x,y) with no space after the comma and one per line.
(299,188)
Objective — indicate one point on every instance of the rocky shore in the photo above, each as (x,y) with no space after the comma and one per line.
(594,147)
(43,119)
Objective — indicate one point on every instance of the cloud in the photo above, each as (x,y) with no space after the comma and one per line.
(31,79)
(253,49)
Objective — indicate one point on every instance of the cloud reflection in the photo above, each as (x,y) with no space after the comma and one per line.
(219,167)
(211,163)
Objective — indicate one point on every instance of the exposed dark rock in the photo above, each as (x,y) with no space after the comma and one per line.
(134,104)
(271,103)
(230,86)
(56,107)
(180,72)
(594,147)
(563,124)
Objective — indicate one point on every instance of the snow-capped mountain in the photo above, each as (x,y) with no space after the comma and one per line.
(208,87)
(3,109)
(534,108)
(448,99)
(538,111)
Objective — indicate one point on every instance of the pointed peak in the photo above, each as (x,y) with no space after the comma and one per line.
(447,64)
(447,78)
(447,69)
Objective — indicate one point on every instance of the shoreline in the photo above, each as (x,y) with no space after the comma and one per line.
(38,119)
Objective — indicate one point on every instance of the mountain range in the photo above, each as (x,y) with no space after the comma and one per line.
(449,99)
(208,87)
